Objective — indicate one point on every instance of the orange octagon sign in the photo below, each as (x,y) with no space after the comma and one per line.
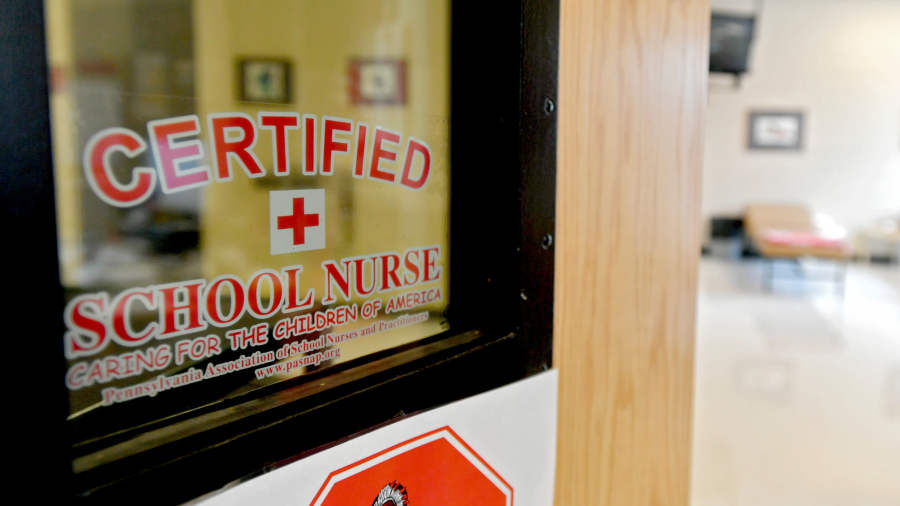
(436,468)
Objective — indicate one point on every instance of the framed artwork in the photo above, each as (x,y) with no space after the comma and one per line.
(377,81)
(266,80)
(774,130)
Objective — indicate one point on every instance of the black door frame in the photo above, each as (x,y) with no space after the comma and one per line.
(504,69)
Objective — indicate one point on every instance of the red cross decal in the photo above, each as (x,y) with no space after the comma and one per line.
(298,221)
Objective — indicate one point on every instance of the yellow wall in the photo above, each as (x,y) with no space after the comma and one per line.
(66,167)
(320,39)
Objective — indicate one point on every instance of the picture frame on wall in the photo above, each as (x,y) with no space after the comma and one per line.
(377,81)
(265,80)
(776,130)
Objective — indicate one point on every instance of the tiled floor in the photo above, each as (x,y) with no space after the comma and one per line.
(797,398)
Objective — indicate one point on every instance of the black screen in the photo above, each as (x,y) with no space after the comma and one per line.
(729,45)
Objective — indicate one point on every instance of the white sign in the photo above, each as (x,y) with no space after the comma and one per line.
(378,81)
(264,81)
(777,130)
(297,220)
(495,448)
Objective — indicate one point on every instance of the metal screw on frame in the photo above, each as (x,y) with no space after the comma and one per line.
(547,241)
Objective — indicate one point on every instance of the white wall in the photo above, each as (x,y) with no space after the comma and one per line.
(839,61)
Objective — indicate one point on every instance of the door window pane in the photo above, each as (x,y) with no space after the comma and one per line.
(246,192)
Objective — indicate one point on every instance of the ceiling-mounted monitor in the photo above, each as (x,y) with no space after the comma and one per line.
(729,45)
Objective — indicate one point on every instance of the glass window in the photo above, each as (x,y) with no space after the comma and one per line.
(246,192)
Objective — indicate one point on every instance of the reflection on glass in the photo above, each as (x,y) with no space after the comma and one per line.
(204,151)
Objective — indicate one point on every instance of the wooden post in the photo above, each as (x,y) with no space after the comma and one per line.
(632,100)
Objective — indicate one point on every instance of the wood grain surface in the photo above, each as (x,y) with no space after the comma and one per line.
(632,102)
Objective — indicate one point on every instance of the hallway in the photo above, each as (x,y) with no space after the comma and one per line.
(798,391)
